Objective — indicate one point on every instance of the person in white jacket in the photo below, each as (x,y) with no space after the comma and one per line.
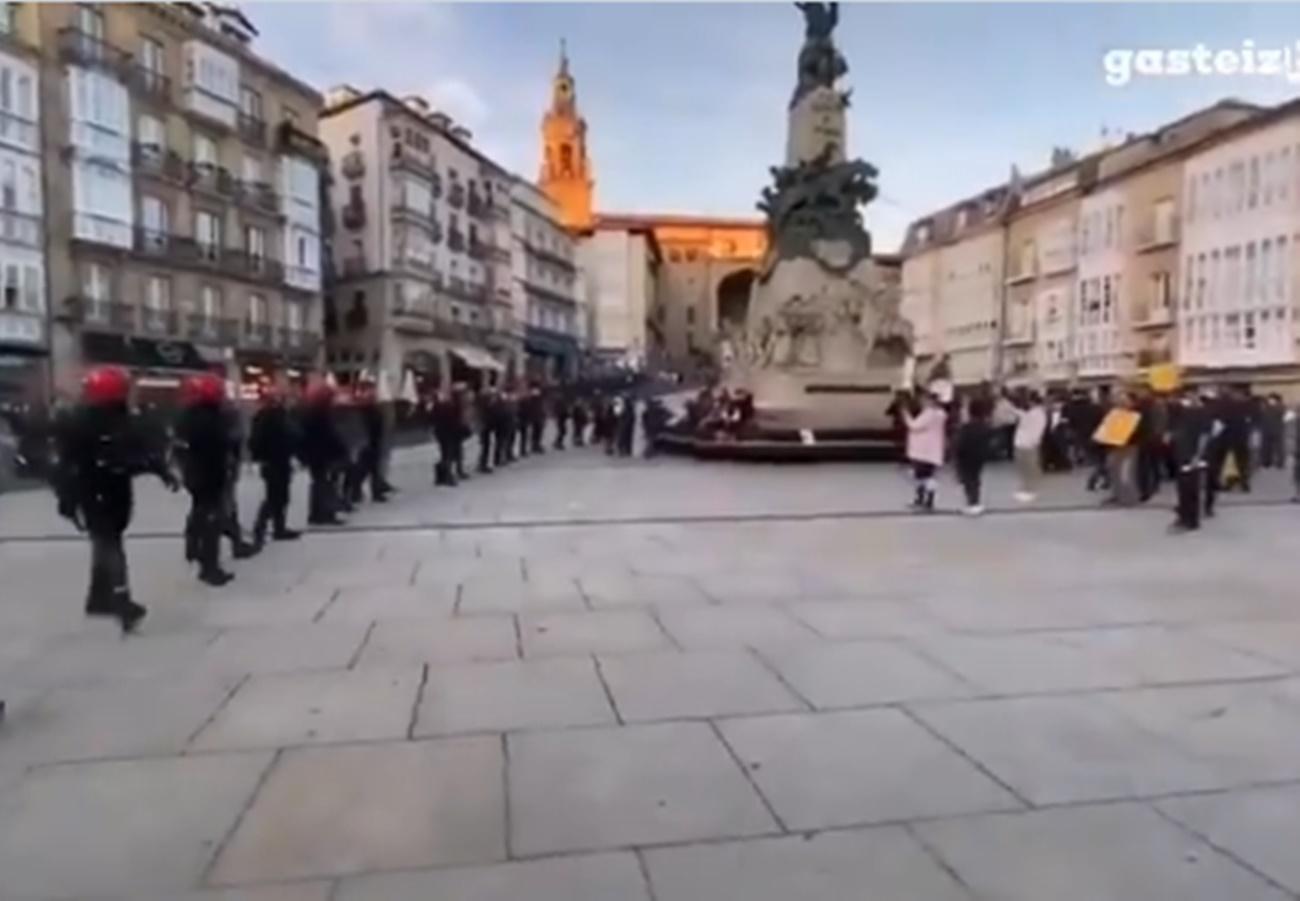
(925,439)
(1031,423)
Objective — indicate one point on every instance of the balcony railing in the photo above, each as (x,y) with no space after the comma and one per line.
(151,159)
(252,129)
(354,216)
(258,334)
(109,314)
(407,211)
(1154,316)
(80,48)
(188,252)
(159,321)
(212,179)
(212,329)
(1024,271)
(455,330)
(257,266)
(549,256)
(405,162)
(456,196)
(17,227)
(353,165)
(475,206)
(1157,234)
(299,340)
(354,266)
(258,195)
(150,84)
(456,239)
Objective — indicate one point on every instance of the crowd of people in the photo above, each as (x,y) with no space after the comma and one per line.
(1130,441)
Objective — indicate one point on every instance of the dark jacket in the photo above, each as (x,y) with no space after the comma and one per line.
(1190,429)
(99,451)
(206,449)
(273,438)
(973,444)
(322,445)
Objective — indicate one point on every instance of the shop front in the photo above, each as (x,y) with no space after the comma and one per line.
(157,366)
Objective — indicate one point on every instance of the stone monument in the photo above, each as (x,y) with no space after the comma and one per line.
(824,346)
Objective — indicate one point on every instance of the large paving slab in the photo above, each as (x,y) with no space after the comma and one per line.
(356,809)
(284,649)
(1113,852)
(878,618)
(596,877)
(315,707)
(858,768)
(591,789)
(462,640)
(364,605)
(738,626)
(600,632)
(1258,826)
(860,673)
(693,685)
(1075,748)
(498,697)
(121,828)
(633,590)
(882,864)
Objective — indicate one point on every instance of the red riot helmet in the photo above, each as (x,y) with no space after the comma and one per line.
(106,385)
(203,388)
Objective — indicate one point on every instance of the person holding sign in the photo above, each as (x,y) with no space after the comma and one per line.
(1116,433)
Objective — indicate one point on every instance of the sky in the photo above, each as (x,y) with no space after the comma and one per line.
(686,102)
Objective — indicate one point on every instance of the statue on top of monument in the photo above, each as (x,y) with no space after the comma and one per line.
(820,64)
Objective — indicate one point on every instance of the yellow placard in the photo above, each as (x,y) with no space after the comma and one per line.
(1164,377)
(1117,428)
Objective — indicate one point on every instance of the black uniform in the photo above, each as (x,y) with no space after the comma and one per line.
(487,405)
(230,526)
(100,449)
(272,443)
(562,414)
(580,418)
(368,429)
(627,427)
(1190,433)
(205,439)
(653,421)
(323,453)
(503,430)
(446,431)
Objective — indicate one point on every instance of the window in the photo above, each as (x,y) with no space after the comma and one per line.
(1270,164)
(158,293)
(1250,279)
(255,242)
(293,316)
(6,18)
(207,233)
(205,150)
(256,309)
(209,303)
(151,56)
(95,289)
(32,292)
(90,21)
(690,315)
(1252,194)
(302,257)
(155,217)
(252,170)
(1190,213)
(149,132)
(250,103)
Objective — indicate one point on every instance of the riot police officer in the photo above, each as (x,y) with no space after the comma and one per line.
(101,448)
(272,442)
(203,431)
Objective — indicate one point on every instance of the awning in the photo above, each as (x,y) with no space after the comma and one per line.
(477,358)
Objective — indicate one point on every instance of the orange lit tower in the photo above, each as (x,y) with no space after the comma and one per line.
(566,170)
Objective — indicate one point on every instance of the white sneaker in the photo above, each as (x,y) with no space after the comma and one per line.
(1026,497)
(974,510)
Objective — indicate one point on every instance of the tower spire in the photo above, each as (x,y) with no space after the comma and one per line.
(566,171)
(564,58)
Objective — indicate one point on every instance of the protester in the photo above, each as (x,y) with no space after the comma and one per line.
(1190,430)
(973,444)
(1031,423)
(925,437)
(101,449)
(1121,460)
(626,426)
(272,443)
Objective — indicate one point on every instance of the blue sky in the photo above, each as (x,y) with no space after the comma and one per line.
(686,102)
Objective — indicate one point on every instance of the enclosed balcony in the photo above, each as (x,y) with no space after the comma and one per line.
(258,195)
(252,129)
(19,227)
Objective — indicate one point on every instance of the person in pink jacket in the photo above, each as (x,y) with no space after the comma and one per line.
(925,437)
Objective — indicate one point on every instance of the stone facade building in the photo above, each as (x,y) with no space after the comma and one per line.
(1175,246)
(183,195)
(424,284)
(548,286)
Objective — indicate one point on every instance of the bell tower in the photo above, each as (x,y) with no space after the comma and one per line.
(566,171)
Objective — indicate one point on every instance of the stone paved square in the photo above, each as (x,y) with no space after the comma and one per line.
(596,877)
(466,696)
(335,811)
(136,826)
(1114,852)
(588,789)
(858,768)
(693,685)
(529,694)
(882,864)
(315,707)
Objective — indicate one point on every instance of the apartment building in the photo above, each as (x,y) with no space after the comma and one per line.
(424,280)
(1237,313)
(952,274)
(183,206)
(24,335)
(548,286)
